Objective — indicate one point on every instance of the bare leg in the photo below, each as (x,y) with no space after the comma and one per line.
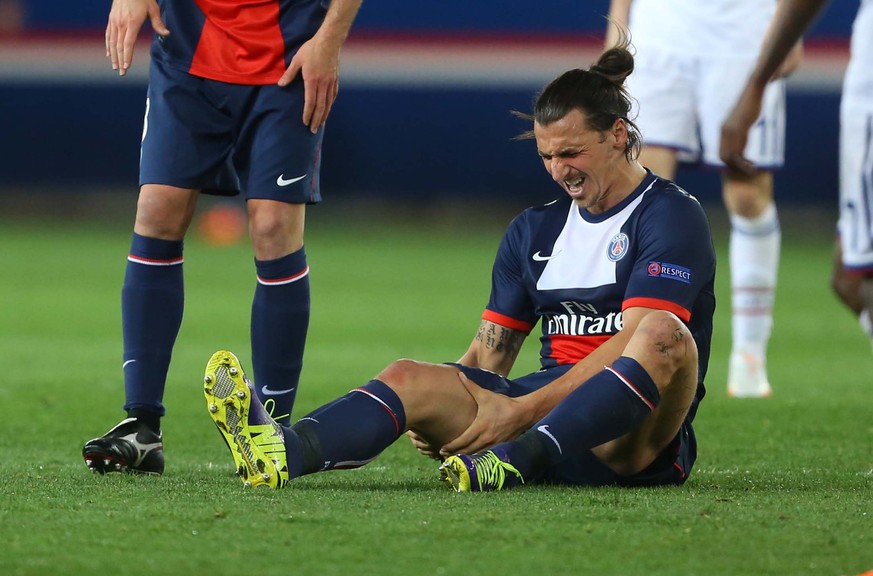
(438,407)
(662,161)
(663,346)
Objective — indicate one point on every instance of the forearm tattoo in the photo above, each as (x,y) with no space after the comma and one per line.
(500,339)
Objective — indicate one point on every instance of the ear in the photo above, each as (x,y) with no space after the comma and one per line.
(619,133)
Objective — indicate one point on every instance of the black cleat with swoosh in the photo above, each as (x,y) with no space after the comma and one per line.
(130,446)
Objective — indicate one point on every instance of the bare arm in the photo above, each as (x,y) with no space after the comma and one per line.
(791,19)
(126,17)
(494,348)
(501,418)
(318,61)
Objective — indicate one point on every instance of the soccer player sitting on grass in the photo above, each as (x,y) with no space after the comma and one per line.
(619,272)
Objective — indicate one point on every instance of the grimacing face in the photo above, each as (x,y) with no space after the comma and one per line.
(584,162)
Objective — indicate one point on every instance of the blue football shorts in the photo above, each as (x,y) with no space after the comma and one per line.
(671,467)
(228,139)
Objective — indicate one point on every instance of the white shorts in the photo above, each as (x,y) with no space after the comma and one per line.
(856,183)
(682,102)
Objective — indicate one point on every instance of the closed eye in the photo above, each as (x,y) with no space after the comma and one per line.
(562,154)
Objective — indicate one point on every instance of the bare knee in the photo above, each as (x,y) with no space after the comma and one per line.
(401,373)
(437,405)
(276,228)
(748,196)
(664,346)
(164,212)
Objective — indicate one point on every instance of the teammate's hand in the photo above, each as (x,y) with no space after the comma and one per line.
(735,132)
(126,17)
(497,420)
(319,65)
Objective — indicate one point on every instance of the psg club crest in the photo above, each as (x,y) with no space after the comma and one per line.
(617,247)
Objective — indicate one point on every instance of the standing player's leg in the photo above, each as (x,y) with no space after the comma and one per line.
(754,247)
(180,119)
(279,163)
(664,86)
(755,233)
(866,316)
(152,300)
(281,304)
(855,291)
(852,278)
(660,160)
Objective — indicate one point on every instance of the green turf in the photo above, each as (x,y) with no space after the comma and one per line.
(781,486)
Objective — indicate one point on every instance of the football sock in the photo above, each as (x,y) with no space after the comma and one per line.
(866,324)
(280,320)
(151,419)
(754,261)
(346,433)
(152,301)
(608,405)
(865,291)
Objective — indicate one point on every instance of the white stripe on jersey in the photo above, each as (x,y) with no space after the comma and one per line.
(578,259)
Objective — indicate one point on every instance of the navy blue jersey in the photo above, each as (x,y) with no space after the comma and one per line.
(236,41)
(575,272)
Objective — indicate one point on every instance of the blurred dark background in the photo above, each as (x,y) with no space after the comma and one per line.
(423,112)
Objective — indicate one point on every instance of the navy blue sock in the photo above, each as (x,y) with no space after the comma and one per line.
(610,404)
(347,433)
(280,321)
(152,301)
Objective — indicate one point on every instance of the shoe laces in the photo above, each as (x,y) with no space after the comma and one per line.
(270,408)
(491,470)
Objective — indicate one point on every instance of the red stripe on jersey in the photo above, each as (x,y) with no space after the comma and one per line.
(506,321)
(657,304)
(240,45)
(571,349)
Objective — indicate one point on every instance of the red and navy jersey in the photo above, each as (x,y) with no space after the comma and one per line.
(575,272)
(236,41)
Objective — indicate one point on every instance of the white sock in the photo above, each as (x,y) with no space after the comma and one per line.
(754,261)
(866,324)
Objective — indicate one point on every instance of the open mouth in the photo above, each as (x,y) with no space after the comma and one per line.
(575,185)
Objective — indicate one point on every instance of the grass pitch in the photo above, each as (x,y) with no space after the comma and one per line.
(782,485)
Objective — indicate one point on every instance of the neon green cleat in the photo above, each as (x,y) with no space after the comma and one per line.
(255,440)
(481,472)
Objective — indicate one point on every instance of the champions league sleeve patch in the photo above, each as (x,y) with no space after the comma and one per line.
(671,271)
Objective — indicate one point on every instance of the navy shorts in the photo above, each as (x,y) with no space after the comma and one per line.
(672,466)
(228,138)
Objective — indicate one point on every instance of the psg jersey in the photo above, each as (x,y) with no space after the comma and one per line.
(236,41)
(575,272)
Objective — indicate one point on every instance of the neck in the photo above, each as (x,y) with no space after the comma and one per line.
(629,175)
